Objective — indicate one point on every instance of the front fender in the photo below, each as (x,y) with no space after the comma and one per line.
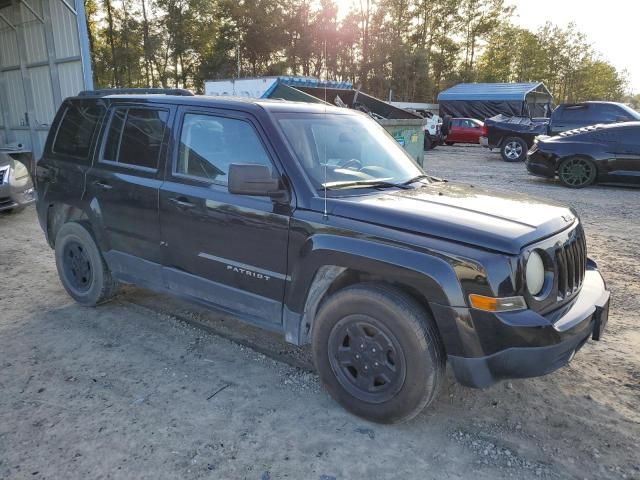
(430,275)
(324,257)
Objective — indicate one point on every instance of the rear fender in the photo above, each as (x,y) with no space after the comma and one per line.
(57,214)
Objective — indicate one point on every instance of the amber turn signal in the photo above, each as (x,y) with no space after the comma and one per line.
(492,304)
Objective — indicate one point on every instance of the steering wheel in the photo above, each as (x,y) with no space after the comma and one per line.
(352,163)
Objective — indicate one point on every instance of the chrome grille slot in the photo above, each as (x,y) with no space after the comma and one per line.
(571,261)
(2,174)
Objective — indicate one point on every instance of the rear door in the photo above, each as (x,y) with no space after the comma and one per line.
(123,187)
(228,250)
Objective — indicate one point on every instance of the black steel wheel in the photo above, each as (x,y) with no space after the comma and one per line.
(577,172)
(81,267)
(378,352)
(366,358)
(77,266)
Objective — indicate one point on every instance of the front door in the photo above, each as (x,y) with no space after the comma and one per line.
(123,185)
(227,250)
(626,166)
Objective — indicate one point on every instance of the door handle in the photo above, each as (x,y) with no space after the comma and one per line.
(102,185)
(181,202)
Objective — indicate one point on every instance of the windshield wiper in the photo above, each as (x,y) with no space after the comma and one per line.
(416,178)
(363,183)
(423,177)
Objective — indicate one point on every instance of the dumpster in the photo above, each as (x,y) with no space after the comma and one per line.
(409,134)
(406,127)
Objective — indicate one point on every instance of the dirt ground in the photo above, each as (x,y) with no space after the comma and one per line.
(151,387)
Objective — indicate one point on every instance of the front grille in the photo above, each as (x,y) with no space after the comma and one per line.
(2,174)
(571,260)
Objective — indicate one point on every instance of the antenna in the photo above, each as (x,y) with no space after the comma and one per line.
(325,214)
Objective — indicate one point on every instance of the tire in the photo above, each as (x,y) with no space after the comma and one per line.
(514,149)
(577,172)
(449,143)
(428,144)
(81,267)
(446,125)
(377,327)
(13,211)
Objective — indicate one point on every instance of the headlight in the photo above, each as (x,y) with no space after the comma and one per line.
(18,171)
(534,273)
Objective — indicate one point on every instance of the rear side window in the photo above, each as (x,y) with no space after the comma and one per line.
(576,114)
(135,137)
(76,130)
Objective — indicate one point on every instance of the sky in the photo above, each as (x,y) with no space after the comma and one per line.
(612,26)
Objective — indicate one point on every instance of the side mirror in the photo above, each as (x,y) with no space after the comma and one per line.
(254,180)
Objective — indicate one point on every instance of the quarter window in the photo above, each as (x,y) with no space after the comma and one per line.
(76,130)
(135,136)
(209,144)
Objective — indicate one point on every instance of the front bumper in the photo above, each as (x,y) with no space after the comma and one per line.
(494,347)
(540,164)
(14,192)
(11,197)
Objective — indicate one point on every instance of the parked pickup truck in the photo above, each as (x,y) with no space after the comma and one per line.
(514,136)
(311,221)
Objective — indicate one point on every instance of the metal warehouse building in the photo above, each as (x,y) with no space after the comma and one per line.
(44,57)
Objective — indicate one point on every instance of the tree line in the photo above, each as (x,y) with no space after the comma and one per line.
(407,49)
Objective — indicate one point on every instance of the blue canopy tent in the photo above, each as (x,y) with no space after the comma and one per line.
(485,100)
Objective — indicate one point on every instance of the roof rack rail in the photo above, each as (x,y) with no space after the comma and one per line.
(136,91)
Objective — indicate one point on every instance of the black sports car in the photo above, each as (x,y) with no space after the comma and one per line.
(581,157)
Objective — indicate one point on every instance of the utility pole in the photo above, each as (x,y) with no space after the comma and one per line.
(238,55)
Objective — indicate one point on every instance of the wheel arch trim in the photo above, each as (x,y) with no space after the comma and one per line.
(329,258)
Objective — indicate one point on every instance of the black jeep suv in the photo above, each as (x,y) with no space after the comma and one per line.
(312,221)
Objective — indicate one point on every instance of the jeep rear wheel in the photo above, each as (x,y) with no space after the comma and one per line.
(514,149)
(378,352)
(81,268)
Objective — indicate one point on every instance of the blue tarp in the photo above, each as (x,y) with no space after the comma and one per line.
(491,91)
(485,100)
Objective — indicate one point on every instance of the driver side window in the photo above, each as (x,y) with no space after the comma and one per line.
(210,144)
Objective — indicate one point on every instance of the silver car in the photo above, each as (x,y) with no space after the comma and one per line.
(16,187)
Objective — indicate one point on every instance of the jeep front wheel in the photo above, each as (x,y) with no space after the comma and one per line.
(378,352)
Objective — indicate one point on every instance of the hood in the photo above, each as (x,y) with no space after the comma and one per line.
(462,213)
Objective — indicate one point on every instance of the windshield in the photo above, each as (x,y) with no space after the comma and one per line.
(631,111)
(356,151)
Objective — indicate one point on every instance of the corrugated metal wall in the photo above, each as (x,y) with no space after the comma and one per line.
(44,57)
